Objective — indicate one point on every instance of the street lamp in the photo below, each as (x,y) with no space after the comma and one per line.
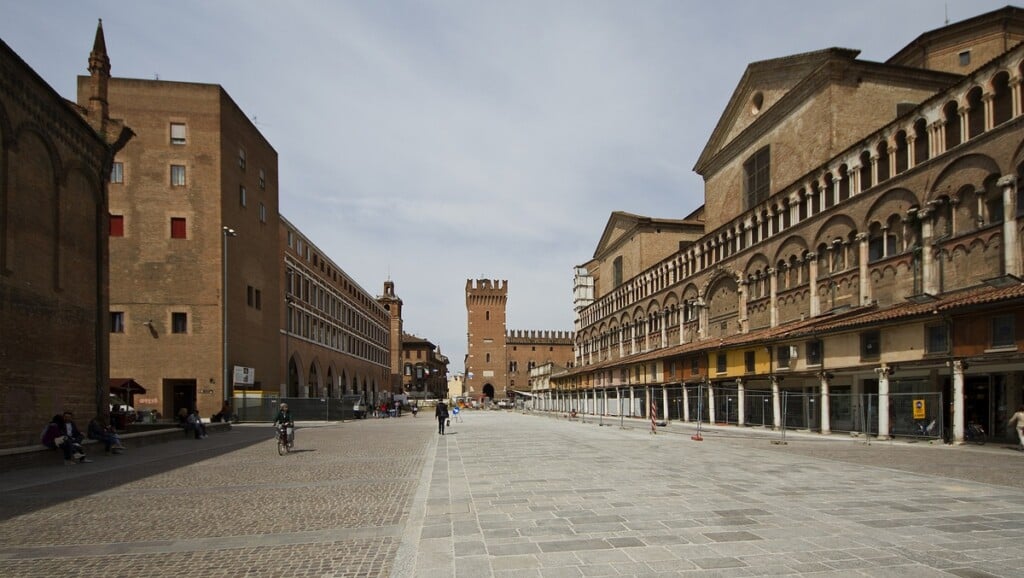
(227,232)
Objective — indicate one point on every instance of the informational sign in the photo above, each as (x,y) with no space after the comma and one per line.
(919,412)
(244,375)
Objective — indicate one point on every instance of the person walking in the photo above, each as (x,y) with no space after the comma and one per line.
(441,413)
(1017,421)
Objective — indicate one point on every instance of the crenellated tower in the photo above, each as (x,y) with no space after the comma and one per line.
(486,369)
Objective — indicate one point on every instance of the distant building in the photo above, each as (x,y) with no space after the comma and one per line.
(424,369)
(55,158)
(335,336)
(498,361)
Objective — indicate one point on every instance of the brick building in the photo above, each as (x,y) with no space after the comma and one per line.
(193,215)
(54,159)
(335,336)
(498,361)
(424,369)
(860,265)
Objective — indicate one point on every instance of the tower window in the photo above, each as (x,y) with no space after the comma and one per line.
(965,58)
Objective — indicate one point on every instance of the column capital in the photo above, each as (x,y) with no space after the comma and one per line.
(862,237)
(884,371)
(959,366)
(1007,181)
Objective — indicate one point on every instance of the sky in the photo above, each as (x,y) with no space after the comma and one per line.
(438,141)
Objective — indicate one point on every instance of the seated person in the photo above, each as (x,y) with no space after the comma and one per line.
(195,423)
(183,417)
(101,431)
(55,436)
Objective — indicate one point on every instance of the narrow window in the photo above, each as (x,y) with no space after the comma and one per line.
(177,133)
(870,344)
(720,364)
(694,366)
(815,350)
(241,195)
(263,213)
(937,339)
(250,296)
(259,300)
(179,322)
(117,225)
(117,173)
(1003,334)
(241,159)
(263,179)
(178,228)
(177,175)
(117,321)
(748,361)
(616,272)
(782,355)
(757,177)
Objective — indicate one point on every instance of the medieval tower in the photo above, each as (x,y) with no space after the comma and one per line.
(498,361)
(393,304)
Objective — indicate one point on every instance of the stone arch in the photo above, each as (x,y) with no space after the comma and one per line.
(295,380)
(951,118)
(1002,98)
(31,246)
(722,299)
(970,169)
(975,112)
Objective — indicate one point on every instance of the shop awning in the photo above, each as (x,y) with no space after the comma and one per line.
(125,386)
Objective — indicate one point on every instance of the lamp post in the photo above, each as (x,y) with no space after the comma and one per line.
(227,232)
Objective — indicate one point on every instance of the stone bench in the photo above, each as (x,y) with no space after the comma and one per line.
(40,455)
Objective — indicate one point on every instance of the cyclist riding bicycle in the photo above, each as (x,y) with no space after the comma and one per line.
(284,417)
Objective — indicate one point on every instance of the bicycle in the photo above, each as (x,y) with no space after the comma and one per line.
(284,441)
(975,434)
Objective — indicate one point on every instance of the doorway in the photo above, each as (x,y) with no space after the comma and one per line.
(182,393)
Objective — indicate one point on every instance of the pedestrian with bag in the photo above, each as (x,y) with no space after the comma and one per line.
(441,413)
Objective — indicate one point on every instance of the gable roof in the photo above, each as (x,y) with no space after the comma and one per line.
(784,73)
(621,225)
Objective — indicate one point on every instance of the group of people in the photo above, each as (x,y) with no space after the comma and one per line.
(191,421)
(62,433)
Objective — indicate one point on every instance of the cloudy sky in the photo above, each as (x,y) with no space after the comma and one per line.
(432,142)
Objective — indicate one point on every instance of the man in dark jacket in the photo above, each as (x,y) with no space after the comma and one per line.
(441,413)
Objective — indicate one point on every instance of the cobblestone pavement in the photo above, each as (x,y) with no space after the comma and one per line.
(506,494)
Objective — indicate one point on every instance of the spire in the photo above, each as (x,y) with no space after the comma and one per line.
(99,71)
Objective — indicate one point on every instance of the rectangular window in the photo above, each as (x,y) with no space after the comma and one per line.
(259,299)
(815,352)
(241,159)
(177,175)
(1003,334)
(117,225)
(936,339)
(177,133)
(263,180)
(757,177)
(870,344)
(263,213)
(782,355)
(178,228)
(179,322)
(720,365)
(965,58)
(241,195)
(694,366)
(117,321)
(117,173)
(748,361)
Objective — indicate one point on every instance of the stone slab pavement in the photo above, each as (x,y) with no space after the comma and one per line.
(507,494)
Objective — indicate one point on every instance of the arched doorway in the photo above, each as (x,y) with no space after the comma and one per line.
(489,391)
(314,381)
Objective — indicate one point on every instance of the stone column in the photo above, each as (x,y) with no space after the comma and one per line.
(812,274)
(988,101)
(686,404)
(702,320)
(776,404)
(773,290)
(632,403)
(883,400)
(826,422)
(741,286)
(929,276)
(664,328)
(862,268)
(622,341)
(874,169)
(741,406)
(959,368)
(711,403)
(1015,92)
(1011,248)
(664,403)
(911,153)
